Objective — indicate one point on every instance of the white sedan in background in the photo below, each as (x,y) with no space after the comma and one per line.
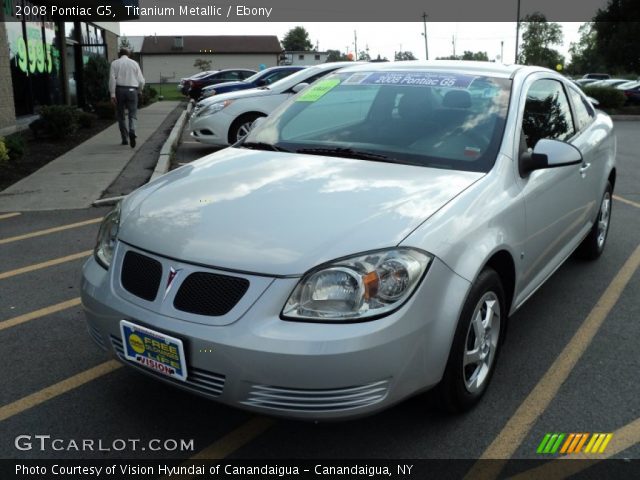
(227,118)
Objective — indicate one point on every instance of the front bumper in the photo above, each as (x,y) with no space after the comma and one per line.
(298,370)
(210,130)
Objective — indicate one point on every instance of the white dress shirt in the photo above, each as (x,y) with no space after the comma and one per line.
(125,73)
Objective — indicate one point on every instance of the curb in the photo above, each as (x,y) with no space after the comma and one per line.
(164,159)
(169,146)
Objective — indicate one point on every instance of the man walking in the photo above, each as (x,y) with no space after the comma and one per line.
(125,81)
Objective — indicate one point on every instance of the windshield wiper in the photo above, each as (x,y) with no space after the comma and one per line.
(263,146)
(358,154)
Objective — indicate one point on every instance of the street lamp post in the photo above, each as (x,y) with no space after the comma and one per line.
(517,30)
(426,44)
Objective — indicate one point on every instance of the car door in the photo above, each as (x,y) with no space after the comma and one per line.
(590,141)
(557,200)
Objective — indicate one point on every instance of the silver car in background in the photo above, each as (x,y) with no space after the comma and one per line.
(365,242)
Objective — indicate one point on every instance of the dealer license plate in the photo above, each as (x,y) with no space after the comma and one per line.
(154,350)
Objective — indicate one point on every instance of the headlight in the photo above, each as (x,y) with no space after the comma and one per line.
(107,236)
(357,288)
(216,107)
(209,93)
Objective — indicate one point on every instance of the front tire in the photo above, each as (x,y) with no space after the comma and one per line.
(476,344)
(593,245)
(241,126)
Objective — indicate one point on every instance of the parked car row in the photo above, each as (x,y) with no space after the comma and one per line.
(367,241)
(261,79)
(192,86)
(224,119)
(630,88)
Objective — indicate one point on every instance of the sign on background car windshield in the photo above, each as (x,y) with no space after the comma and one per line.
(417,79)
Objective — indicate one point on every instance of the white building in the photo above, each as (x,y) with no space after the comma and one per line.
(303,58)
(172,58)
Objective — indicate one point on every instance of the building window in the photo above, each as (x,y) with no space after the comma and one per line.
(317,56)
(300,57)
(34,61)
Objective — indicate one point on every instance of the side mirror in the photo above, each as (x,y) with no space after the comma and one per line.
(261,83)
(548,154)
(299,87)
(257,122)
(593,101)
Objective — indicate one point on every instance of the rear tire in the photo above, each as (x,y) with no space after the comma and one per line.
(476,344)
(593,245)
(241,127)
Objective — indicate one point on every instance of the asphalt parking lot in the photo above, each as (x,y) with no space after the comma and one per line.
(570,363)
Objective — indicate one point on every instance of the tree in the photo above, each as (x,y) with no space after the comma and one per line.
(538,38)
(364,56)
(297,40)
(336,56)
(468,55)
(202,64)
(380,59)
(584,54)
(477,56)
(406,55)
(617,39)
(96,79)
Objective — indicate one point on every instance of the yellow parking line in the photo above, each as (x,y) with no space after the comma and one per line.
(231,442)
(9,215)
(48,263)
(621,439)
(41,396)
(12,322)
(519,425)
(49,230)
(628,202)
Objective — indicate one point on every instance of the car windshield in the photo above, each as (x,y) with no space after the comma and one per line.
(428,118)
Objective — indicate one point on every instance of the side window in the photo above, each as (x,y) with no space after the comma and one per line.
(546,113)
(277,76)
(231,76)
(312,79)
(584,111)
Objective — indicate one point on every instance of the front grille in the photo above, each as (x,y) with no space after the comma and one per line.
(141,275)
(202,381)
(210,294)
(279,398)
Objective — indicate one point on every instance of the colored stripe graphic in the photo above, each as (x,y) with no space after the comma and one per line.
(574,442)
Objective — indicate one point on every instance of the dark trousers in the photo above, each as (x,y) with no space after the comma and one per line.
(127,98)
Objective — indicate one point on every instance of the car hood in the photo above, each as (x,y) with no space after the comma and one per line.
(251,92)
(282,213)
(227,85)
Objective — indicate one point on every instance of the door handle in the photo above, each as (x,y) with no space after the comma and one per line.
(584,168)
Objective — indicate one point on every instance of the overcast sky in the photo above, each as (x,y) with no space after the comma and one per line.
(381,38)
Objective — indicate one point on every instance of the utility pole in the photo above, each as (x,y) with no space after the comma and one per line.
(355,43)
(517,30)
(453,42)
(502,51)
(426,44)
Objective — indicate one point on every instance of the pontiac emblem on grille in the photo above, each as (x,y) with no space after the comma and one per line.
(172,276)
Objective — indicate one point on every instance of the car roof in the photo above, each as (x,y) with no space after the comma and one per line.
(491,69)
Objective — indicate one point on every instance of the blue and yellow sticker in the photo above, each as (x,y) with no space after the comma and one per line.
(153,350)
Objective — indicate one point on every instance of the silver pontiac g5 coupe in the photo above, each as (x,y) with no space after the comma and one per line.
(365,242)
